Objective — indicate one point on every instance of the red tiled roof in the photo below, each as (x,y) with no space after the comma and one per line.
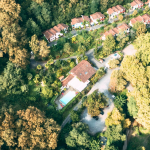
(97,15)
(67,79)
(145,17)
(79,20)
(116,30)
(136,2)
(83,70)
(51,32)
(115,9)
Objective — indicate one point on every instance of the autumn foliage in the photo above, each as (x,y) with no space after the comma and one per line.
(27,129)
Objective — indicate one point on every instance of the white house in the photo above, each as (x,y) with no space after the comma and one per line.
(145,19)
(95,17)
(148,3)
(55,32)
(136,4)
(79,76)
(115,11)
(79,22)
(115,31)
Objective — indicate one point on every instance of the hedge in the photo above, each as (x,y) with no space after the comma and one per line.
(70,103)
(53,101)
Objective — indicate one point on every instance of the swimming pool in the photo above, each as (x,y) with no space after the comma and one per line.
(68,97)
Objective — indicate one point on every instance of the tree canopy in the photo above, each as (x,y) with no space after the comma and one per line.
(27,129)
(95,102)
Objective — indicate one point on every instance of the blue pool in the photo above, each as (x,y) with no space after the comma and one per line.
(68,97)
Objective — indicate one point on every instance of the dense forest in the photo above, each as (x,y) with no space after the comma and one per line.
(28,115)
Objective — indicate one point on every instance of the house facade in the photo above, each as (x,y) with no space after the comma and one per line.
(115,31)
(145,19)
(98,16)
(79,76)
(55,32)
(136,4)
(79,22)
(115,11)
(148,3)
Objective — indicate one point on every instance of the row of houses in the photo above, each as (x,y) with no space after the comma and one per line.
(56,32)
(125,28)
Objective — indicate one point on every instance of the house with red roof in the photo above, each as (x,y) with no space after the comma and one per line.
(115,31)
(137,4)
(115,11)
(79,76)
(98,16)
(79,22)
(148,3)
(55,32)
(145,19)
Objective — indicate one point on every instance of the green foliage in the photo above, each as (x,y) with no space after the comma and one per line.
(115,136)
(113,63)
(109,45)
(95,102)
(13,80)
(78,138)
(120,101)
(74,116)
(132,107)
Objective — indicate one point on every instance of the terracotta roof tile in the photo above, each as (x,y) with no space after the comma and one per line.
(51,32)
(116,30)
(79,20)
(97,15)
(83,70)
(67,79)
(115,9)
(136,2)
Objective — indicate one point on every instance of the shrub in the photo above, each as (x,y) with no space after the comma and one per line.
(113,63)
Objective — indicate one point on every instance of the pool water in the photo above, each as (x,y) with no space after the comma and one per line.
(68,97)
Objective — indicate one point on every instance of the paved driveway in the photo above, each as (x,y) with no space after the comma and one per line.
(99,125)
(129,50)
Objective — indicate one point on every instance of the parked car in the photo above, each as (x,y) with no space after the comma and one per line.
(96,117)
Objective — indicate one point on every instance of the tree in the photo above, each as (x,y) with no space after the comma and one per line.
(120,17)
(141,30)
(135,13)
(109,45)
(120,101)
(94,6)
(114,118)
(12,80)
(47,92)
(72,64)
(32,27)
(74,116)
(19,56)
(95,102)
(67,48)
(115,136)
(44,49)
(95,145)
(29,76)
(34,44)
(146,9)
(39,67)
(113,63)
(39,48)
(9,12)
(143,48)
(27,129)
(78,138)
(117,82)
(132,107)
(137,25)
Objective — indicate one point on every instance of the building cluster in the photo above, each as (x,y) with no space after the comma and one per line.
(115,31)
(57,31)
